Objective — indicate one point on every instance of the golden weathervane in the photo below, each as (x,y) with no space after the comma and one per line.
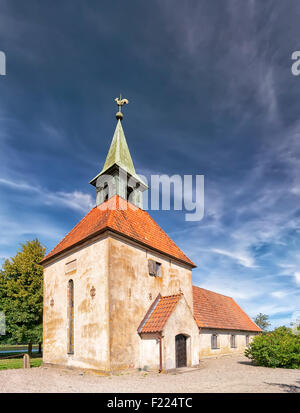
(120,102)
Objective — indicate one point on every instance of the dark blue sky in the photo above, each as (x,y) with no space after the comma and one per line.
(211,92)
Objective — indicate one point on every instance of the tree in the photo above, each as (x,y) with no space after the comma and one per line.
(262,321)
(296,326)
(21,294)
(278,348)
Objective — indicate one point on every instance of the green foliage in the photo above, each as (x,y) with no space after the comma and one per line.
(279,348)
(21,294)
(262,321)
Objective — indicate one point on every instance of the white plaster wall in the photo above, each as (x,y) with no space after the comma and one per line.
(181,321)
(149,351)
(205,349)
(91,321)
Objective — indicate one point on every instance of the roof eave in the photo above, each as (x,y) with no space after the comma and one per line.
(228,328)
(115,167)
(89,237)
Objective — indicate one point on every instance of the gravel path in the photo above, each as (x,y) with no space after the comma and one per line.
(226,374)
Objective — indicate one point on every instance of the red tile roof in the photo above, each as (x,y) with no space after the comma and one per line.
(158,313)
(213,310)
(124,218)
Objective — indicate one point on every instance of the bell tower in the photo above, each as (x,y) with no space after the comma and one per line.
(118,176)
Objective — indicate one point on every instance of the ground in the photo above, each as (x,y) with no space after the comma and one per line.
(227,374)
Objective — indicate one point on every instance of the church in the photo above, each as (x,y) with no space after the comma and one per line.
(118,292)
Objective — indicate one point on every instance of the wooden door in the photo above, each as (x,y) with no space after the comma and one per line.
(180,345)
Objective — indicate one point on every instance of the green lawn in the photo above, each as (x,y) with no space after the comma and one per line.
(15,360)
(17,363)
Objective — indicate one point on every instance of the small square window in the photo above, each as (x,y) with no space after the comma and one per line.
(154,268)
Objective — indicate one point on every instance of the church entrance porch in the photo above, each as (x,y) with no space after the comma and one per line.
(180,349)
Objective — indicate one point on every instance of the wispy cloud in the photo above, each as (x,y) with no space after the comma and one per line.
(246,261)
(297,277)
(76,200)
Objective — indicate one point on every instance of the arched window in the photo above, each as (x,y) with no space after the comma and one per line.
(105,192)
(129,192)
(70,317)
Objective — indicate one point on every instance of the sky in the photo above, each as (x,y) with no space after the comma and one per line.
(211,93)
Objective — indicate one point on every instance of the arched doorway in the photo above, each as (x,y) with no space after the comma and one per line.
(180,346)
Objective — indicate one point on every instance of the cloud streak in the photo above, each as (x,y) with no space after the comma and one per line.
(76,200)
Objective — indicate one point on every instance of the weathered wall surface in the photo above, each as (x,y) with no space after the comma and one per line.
(132,291)
(91,324)
(205,349)
(149,352)
(181,321)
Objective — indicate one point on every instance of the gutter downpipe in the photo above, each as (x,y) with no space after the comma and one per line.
(159,336)
(199,342)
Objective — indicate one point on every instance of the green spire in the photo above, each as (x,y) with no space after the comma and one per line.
(118,176)
(118,153)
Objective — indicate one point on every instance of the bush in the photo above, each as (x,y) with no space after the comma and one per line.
(279,348)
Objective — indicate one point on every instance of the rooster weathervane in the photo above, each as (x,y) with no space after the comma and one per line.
(120,102)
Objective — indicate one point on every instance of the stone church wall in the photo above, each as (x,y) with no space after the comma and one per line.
(132,291)
(149,352)
(88,268)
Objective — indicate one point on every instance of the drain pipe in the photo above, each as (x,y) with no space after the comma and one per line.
(159,336)
(199,345)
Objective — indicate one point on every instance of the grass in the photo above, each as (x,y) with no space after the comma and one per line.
(17,363)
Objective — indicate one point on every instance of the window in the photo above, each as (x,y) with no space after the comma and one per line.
(247,340)
(214,341)
(129,192)
(158,269)
(105,192)
(70,317)
(154,268)
(232,341)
